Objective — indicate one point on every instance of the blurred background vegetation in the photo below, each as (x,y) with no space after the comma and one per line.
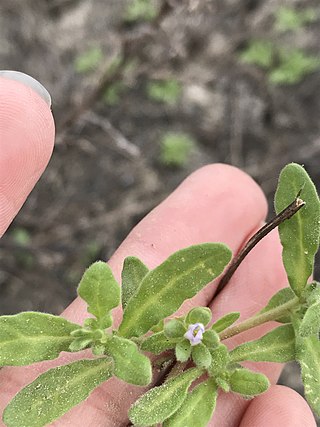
(145,92)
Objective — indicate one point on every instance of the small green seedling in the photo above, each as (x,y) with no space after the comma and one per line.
(166,91)
(89,60)
(290,19)
(141,10)
(175,149)
(283,66)
(201,363)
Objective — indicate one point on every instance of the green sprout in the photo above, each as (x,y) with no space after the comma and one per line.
(290,19)
(176,149)
(166,91)
(259,52)
(283,66)
(112,94)
(89,60)
(149,298)
(141,10)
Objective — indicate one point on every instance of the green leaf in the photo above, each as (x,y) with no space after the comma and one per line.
(201,355)
(80,343)
(132,274)
(310,324)
(219,360)
(30,337)
(248,383)
(55,392)
(199,315)
(198,407)
(276,346)
(174,329)
(130,365)
(300,234)
(157,343)
(225,321)
(183,350)
(161,402)
(100,290)
(308,356)
(280,298)
(165,288)
(210,338)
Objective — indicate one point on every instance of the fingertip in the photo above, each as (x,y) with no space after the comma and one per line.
(26,144)
(279,406)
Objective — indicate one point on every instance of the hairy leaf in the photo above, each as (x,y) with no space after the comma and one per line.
(276,346)
(308,356)
(165,288)
(161,402)
(183,350)
(157,343)
(30,337)
(199,315)
(130,365)
(280,298)
(100,290)
(300,234)
(225,321)
(198,407)
(219,360)
(310,324)
(248,383)
(55,392)
(201,356)
(175,328)
(132,274)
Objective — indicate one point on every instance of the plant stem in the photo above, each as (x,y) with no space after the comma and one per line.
(259,319)
(287,213)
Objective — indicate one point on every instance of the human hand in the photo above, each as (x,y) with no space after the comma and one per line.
(216,203)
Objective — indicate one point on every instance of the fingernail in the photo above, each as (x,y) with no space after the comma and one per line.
(28,81)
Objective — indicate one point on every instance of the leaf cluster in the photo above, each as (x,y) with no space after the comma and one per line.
(149,300)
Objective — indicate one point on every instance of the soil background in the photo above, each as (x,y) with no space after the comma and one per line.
(105,173)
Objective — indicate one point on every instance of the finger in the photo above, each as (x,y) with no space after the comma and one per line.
(280,406)
(259,276)
(217,203)
(26,140)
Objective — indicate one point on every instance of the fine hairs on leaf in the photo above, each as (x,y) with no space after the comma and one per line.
(196,363)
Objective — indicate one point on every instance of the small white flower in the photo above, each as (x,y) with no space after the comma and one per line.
(194,333)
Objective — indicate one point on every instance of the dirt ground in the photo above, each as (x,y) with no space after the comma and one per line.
(105,174)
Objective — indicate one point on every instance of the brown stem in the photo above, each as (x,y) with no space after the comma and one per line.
(287,213)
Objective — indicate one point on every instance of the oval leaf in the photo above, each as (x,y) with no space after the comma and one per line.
(31,337)
(161,402)
(157,343)
(308,356)
(300,234)
(248,383)
(201,356)
(164,289)
(225,321)
(132,274)
(310,324)
(219,360)
(129,364)
(280,298)
(100,290)
(276,346)
(198,407)
(55,392)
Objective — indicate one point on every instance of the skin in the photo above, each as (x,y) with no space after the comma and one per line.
(215,203)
